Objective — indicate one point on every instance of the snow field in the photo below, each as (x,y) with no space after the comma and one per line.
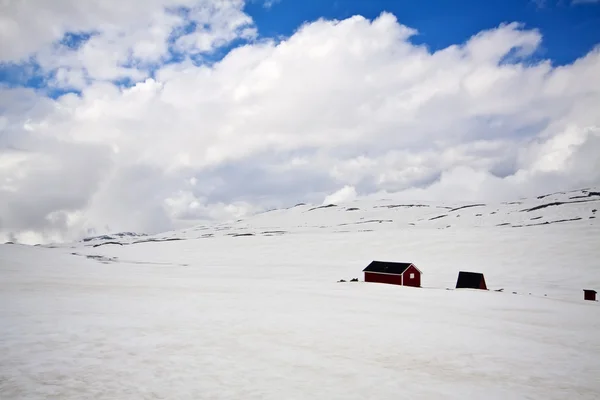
(263,318)
(214,316)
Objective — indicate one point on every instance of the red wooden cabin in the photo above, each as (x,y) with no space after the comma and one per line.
(395,273)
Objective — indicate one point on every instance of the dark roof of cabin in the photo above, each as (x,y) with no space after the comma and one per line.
(387,267)
(469,280)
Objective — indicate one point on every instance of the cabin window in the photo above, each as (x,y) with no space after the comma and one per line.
(412,276)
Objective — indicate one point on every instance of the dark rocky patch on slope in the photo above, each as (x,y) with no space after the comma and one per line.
(107,243)
(157,240)
(102,259)
(549,194)
(107,260)
(548,222)
(113,236)
(402,205)
(352,209)
(127,234)
(103,237)
(536,218)
(468,206)
(503,224)
(378,221)
(320,207)
(556,203)
(267,211)
(240,234)
(438,217)
(271,233)
(590,194)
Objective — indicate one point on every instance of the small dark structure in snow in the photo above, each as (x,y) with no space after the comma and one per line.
(395,273)
(470,280)
(589,294)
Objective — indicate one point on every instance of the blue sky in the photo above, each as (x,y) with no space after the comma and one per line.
(569,30)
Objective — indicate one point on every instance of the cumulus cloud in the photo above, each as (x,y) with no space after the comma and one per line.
(75,43)
(349,104)
(344,195)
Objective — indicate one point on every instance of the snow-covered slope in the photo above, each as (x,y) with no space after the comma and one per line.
(577,208)
(253,309)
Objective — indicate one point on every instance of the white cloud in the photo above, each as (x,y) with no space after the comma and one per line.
(543,3)
(112,40)
(340,104)
(344,195)
(270,3)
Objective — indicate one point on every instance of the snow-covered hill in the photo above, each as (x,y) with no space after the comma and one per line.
(252,309)
(576,209)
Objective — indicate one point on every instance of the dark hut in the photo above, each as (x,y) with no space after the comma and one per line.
(589,294)
(470,280)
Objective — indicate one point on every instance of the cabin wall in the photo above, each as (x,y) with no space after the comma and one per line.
(415,281)
(383,278)
(482,284)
